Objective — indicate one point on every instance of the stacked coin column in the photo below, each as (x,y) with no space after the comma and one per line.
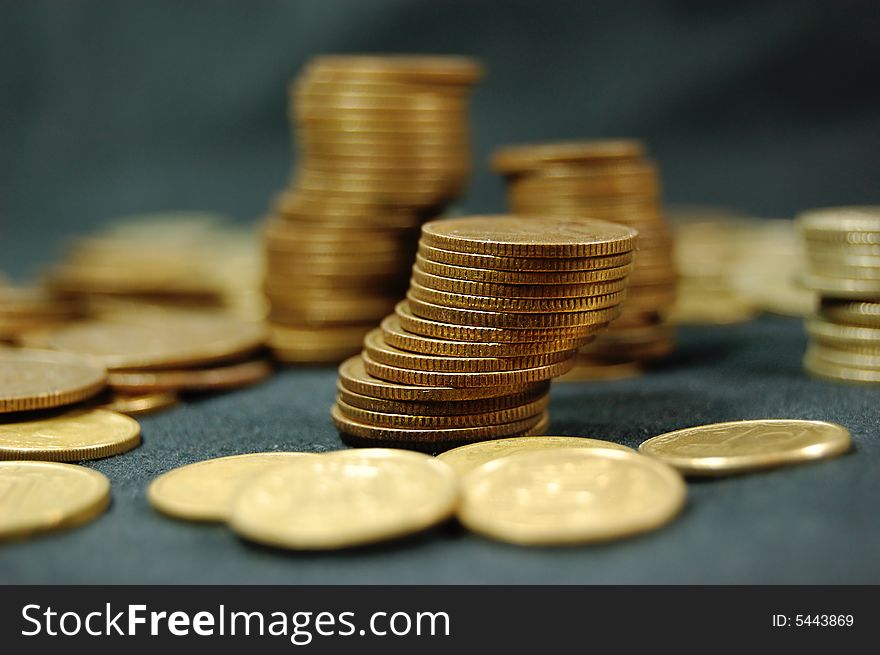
(496,308)
(614,181)
(843,266)
(384,143)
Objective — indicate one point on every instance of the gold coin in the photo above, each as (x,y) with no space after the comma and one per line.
(570,496)
(845,358)
(530,278)
(42,496)
(284,336)
(345,498)
(414,437)
(379,351)
(38,379)
(434,422)
(516,159)
(399,338)
(445,69)
(742,446)
(482,379)
(517,236)
(70,436)
(203,491)
(353,376)
(175,340)
(514,305)
(838,287)
(140,404)
(215,378)
(830,371)
(465,459)
(517,291)
(456,332)
(865,314)
(329,310)
(532,321)
(523,264)
(848,224)
(445,408)
(843,336)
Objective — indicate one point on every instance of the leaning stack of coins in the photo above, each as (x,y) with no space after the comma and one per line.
(611,180)
(496,308)
(384,144)
(843,266)
(152,355)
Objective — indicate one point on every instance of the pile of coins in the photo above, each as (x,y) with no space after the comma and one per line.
(611,180)
(496,308)
(384,144)
(24,309)
(843,266)
(154,354)
(175,259)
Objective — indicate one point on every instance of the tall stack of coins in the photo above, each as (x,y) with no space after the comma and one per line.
(384,143)
(496,308)
(843,266)
(611,180)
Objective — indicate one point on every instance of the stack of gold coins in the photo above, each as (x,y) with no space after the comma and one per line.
(497,307)
(611,180)
(843,266)
(384,144)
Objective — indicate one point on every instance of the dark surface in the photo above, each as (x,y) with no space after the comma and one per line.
(110,108)
(816,523)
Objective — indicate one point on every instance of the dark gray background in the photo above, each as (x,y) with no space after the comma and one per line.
(109,108)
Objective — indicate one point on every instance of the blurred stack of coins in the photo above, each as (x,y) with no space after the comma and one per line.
(384,144)
(174,259)
(496,308)
(24,309)
(611,180)
(152,354)
(843,266)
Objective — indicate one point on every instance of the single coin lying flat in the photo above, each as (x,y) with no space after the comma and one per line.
(566,496)
(42,379)
(69,436)
(465,459)
(345,498)
(203,491)
(42,496)
(742,446)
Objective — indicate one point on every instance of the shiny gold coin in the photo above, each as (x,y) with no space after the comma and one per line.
(844,358)
(69,436)
(203,491)
(284,336)
(530,321)
(353,376)
(530,278)
(38,379)
(27,302)
(42,496)
(864,314)
(514,305)
(447,69)
(829,371)
(215,378)
(516,236)
(343,499)
(465,459)
(570,496)
(446,421)
(517,291)
(516,159)
(843,336)
(187,339)
(414,437)
(863,274)
(482,379)
(523,264)
(329,310)
(140,404)
(841,287)
(444,408)
(847,224)
(742,446)
(379,351)
(397,337)
(456,332)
